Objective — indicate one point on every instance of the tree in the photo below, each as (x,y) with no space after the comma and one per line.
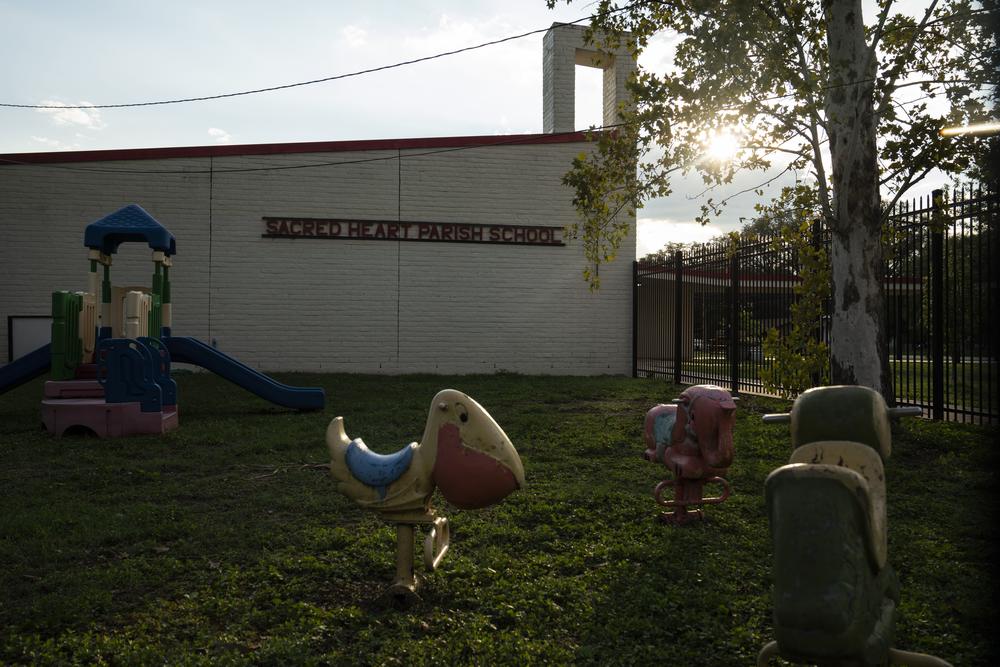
(806,81)
(666,253)
(801,357)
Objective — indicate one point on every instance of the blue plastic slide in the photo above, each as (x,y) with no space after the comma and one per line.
(25,368)
(187,350)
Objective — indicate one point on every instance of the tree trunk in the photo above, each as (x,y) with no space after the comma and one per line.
(859,352)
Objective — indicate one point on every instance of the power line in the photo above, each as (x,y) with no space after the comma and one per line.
(335,77)
(391,157)
(347,75)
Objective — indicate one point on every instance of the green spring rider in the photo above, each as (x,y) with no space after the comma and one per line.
(835,593)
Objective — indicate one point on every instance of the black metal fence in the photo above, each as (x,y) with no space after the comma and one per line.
(701,316)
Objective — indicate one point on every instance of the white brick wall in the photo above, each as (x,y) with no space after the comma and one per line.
(335,305)
(563,48)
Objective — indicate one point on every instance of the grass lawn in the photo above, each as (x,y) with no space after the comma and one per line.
(969,385)
(965,384)
(225,543)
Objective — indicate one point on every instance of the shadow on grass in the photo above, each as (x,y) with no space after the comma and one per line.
(225,541)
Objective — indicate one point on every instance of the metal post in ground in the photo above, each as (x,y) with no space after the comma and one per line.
(678,314)
(734,323)
(817,244)
(635,319)
(937,306)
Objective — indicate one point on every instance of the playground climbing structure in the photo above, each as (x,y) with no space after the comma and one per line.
(111,347)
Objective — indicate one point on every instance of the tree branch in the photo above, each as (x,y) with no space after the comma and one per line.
(877,36)
(905,55)
(944,81)
(821,182)
(772,149)
(893,175)
(756,187)
(907,184)
(804,68)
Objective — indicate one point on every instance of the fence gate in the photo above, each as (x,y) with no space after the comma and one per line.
(701,316)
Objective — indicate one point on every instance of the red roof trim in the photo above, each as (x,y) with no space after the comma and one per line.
(306,147)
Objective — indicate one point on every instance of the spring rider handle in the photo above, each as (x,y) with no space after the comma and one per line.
(683,502)
(901,411)
(688,494)
(436,543)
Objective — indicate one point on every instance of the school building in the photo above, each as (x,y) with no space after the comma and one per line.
(441,255)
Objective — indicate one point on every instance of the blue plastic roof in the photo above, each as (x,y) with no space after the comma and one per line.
(131,223)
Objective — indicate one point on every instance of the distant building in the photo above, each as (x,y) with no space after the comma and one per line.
(388,256)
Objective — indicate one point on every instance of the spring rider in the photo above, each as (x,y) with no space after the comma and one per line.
(835,593)
(463,452)
(694,439)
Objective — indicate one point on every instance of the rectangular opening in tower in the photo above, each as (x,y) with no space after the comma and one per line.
(589,99)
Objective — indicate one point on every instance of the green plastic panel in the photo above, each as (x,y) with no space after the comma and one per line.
(67,348)
(155,315)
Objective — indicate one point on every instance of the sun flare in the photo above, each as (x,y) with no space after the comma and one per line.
(722,145)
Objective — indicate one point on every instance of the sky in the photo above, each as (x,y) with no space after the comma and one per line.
(123,51)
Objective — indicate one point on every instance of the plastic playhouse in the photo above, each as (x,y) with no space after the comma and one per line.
(694,439)
(112,347)
(836,595)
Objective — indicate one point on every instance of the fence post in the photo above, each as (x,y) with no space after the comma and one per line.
(937,306)
(734,322)
(635,319)
(678,313)
(817,243)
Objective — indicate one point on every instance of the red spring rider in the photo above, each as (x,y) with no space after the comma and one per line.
(694,439)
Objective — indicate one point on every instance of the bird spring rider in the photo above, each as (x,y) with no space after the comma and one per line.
(463,452)
(835,593)
(694,439)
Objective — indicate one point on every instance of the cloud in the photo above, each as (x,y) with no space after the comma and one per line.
(654,233)
(220,136)
(54,144)
(88,118)
(658,56)
(355,36)
(450,34)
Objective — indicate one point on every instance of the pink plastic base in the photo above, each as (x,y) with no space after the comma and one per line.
(106,420)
